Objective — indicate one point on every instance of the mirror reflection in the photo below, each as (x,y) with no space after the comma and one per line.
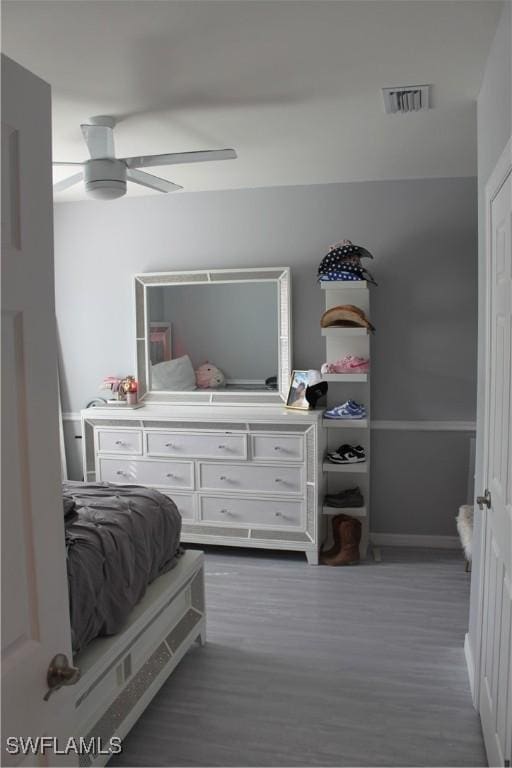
(213,335)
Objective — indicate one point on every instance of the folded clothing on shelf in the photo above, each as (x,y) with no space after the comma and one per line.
(348,364)
(350,497)
(348,410)
(347,454)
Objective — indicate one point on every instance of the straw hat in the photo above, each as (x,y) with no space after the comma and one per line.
(345,316)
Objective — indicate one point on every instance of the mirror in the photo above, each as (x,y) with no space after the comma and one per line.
(213,336)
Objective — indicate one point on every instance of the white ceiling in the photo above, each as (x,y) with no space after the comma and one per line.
(293,85)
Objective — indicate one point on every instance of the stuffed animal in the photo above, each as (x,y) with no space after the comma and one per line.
(208,376)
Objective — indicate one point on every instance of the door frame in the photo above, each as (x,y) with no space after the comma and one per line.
(496,180)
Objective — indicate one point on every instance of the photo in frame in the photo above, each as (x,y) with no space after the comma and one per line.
(160,342)
(297,392)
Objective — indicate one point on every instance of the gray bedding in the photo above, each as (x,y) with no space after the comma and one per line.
(119,538)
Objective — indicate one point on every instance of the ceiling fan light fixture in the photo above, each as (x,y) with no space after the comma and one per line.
(105,179)
(105,190)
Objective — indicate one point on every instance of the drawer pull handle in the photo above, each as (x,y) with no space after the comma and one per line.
(223,477)
(120,472)
(277,514)
(170,474)
(277,448)
(221,447)
(223,511)
(279,480)
(170,445)
(119,442)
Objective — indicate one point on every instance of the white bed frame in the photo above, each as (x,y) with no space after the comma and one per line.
(121,674)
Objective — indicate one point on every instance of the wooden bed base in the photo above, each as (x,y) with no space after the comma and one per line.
(121,674)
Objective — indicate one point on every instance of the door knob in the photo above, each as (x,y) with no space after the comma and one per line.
(485,500)
(60,673)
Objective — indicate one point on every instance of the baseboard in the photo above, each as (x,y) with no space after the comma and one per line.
(415,540)
(470,666)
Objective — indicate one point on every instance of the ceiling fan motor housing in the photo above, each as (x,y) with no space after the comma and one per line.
(105,178)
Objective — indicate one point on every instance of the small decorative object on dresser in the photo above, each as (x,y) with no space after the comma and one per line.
(112,383)
(129,387)
(297,392)
(208,376)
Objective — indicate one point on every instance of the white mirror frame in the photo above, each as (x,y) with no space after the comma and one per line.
(279,275)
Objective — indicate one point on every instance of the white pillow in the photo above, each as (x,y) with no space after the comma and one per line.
(176,375)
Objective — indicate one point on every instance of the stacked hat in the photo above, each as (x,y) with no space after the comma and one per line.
(343,262)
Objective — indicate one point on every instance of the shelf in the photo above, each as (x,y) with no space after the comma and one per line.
(352,511)
(340,331)
(345,423)
(347,377)
(342,285)
(358,468)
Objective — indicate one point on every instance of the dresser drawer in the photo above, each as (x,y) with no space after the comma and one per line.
(277,447)
(251,477)
(195,445)
(170,474)
(184,501)
(119,441)
(251,512)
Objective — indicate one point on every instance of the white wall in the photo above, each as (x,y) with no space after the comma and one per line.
(494,118)
(423,236)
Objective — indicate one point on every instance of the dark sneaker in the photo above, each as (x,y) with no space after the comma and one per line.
(347,454)
(351,497)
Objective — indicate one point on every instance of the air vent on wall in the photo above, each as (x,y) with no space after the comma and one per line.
(408,98)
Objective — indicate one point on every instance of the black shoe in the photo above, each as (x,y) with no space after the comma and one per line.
(347,454)
(351,497)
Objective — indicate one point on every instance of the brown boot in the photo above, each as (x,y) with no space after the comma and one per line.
(350,536)
(336,538)
(336,520)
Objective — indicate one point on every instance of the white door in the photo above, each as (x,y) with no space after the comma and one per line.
(496,651)
(35,615)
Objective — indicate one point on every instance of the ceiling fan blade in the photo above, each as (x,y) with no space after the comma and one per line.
(65,183)
(176,158)
(151,181)
(99,139)
(56,162)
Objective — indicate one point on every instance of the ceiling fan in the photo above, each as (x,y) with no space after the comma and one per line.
(105,175)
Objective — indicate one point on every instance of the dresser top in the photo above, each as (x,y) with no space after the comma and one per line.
(213,413)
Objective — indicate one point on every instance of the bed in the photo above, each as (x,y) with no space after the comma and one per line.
(136,603)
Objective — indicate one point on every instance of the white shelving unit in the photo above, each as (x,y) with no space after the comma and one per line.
(344,386)
(353,469)
(348,378)
(338,333)
(345,424)
(352,511)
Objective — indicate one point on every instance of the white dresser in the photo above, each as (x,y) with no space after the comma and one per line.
(240,476)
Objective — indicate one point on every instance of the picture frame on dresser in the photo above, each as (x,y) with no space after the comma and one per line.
(160,342)
(297,393)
